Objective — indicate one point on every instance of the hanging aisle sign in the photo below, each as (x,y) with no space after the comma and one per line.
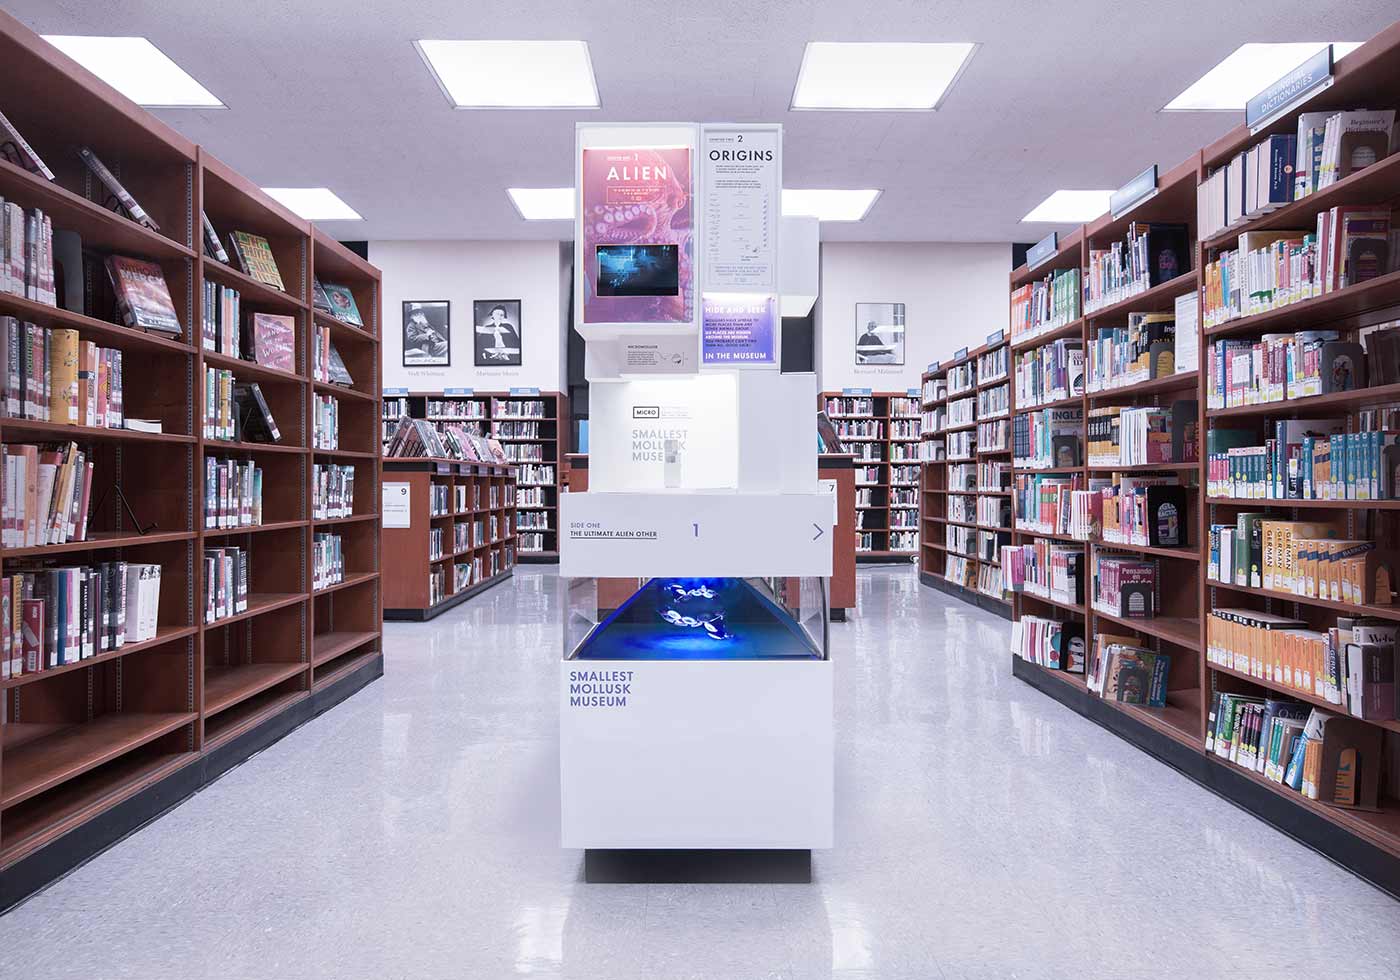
(742,185)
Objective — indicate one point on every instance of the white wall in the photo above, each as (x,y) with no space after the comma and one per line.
(463,271)
(954,295)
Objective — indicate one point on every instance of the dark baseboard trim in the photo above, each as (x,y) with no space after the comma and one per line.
(1361,858)
(423,615)
(970,596)
(69,851)
(530,558)
(608,866)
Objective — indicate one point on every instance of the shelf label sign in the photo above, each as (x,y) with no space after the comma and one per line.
(737,330)
(995,338)
(397,512)
(395,391)
(959,354)
(1043,251)
(1134,192)
(459,392)
(856,392)
(516,392)
(1309,78)
(911,392)
(933,368)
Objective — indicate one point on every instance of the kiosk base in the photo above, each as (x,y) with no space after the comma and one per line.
(718,867)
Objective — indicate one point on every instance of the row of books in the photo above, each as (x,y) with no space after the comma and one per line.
(1044,568)
(960,540)
(1042,502)
(325,422)
(1351,664)
(994,364)
(1281,168)
(1285,366)
(1313,559)
(1056,644)
(1049,373)
(860,429)
(904,407)
(961,411)
(225,583)
(1143,350)
(850,406)
(933,389)
(1049,438)
(1046,304)
(235,411)
(1149,255)
(327,559)
(1122,669)
(26,253)
(994,512)
(47,493)
(1125,586)
(221,329)
(53,617)
(994,436)
(962,378)
(993,476)
(534,474)
(906,430)
(1273,269)
(533,520)
(989,580)
(525,430)
(1307,459)
(332,491)
(533,542)
(232,493)
(994,402)
(1144,511)
(960,571)
(53,375)
(453,408)
(1124,436)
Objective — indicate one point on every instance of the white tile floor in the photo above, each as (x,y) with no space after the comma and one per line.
(982,831)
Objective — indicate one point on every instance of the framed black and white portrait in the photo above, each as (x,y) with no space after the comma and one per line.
(497,332)
(880,333)
(427,333)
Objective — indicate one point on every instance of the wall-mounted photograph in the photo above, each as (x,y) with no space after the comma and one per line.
(880,333)
(427,333)
(497,334)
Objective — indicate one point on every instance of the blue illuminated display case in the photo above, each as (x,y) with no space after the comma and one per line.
(696,619)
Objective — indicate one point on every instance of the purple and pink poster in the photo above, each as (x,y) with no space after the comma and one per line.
(638,261)
(737,329)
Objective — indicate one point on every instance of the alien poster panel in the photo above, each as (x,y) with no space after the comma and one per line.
(638,223)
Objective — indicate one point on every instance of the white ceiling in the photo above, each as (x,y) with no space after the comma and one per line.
(1061,94)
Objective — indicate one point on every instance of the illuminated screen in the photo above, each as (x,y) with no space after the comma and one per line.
(638,270)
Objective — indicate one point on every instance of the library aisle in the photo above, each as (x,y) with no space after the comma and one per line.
(984,831)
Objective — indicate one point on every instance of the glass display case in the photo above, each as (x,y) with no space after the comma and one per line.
(696,619)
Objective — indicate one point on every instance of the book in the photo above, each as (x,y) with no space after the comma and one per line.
(211,240)
(342,304)
(16,149)
(116,189)
(272,341)
(337,372)
(319,299)
(257,423)
(255,255)
(143,298)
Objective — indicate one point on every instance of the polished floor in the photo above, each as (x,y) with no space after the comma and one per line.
(982,831)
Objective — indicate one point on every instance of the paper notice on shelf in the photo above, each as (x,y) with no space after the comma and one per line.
(742,169)
(1188,334)
(397,512)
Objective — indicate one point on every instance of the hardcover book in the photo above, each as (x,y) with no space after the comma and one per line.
(211,240)
(115,188)
(342,304)
(257,421)
(319,299)
(143,298)
(272,341)
(256,255)
(16,149)
(338,373)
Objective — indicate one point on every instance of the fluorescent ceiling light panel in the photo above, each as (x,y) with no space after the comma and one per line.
(897,75)
(543,203)
(1070,207)
(313,203)
(137,69)
(1247,72)
(829,205)
(512,74)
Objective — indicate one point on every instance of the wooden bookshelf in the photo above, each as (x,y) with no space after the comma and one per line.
(473,496)
(491,413)
(950,509)
(1364,841)
(91,749)
(885,443)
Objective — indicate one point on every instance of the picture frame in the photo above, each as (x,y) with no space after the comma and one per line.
(497,333)
(879,334)
(427,333)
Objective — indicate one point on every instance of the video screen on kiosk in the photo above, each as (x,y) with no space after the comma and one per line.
(638,270)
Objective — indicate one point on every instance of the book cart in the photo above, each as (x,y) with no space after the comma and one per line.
(459,537)
(91,749)
(965,476)
(531,425)
(1365,838)
(881,430)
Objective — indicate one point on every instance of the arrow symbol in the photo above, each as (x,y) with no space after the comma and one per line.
(819,530)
